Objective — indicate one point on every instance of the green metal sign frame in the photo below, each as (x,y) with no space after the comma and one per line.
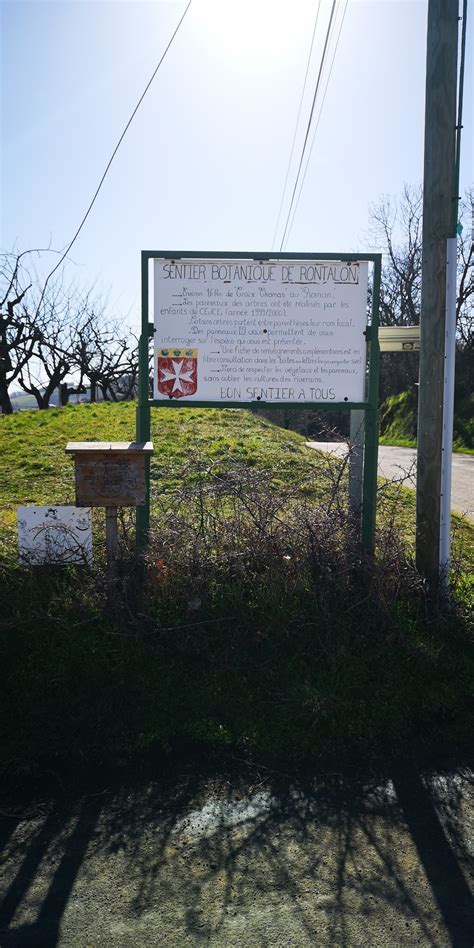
(370,406)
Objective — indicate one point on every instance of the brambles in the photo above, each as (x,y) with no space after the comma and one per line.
(253,624)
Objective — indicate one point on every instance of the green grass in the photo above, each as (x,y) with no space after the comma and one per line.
(35,469)
(282,662)
(397,423)
(464,425)
(243,629)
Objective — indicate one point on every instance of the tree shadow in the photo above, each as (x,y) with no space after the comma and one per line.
(61,840)
(437,851)
(330,861)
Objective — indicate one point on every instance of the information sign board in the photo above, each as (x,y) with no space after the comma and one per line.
(48,535)
(240,330)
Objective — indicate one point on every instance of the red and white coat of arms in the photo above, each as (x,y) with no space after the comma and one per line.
(177,372)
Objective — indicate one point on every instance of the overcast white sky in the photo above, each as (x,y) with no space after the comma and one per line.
(204,162)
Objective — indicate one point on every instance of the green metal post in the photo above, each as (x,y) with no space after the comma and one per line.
(369,496)
(143,407)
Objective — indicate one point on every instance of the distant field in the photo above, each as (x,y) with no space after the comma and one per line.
(23,401)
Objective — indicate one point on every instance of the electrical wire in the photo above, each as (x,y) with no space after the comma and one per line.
(296,125)
(296,203)
(308,128)
(317,125)
(132,116)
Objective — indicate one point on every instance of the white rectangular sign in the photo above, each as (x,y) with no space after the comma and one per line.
(250,331)
(54,535)
(399,338)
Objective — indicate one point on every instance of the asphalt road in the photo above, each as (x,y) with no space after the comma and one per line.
(400,464)
(336,865)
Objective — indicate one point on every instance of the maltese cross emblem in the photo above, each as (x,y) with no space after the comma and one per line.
(177,372)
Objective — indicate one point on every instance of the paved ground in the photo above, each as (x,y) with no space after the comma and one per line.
(400,463)
(184,864)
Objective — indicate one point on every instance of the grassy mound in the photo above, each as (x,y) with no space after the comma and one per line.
(35,469)
(397,420)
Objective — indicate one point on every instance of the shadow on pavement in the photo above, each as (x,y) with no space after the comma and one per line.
(188,860)
(437,853)
(61,842)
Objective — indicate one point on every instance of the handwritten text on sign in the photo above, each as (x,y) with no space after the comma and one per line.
(240,330)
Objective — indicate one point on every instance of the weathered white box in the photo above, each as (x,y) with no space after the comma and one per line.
(110,473)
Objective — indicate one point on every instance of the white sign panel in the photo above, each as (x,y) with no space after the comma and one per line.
(249,331)
(54,535)
(399,338)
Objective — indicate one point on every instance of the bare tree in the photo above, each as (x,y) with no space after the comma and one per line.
(465,298)
(99,352)
(396,229)
(54,337)
(124,384)
(17,337)
(55,317)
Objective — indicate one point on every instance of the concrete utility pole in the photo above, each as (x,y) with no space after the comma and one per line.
(438,197)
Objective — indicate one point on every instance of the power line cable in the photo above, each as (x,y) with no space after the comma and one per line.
(91,205)
(317,125)
(289,223)
(296,125)
(321,65)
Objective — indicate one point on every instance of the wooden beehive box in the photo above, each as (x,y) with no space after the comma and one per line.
(110,473)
